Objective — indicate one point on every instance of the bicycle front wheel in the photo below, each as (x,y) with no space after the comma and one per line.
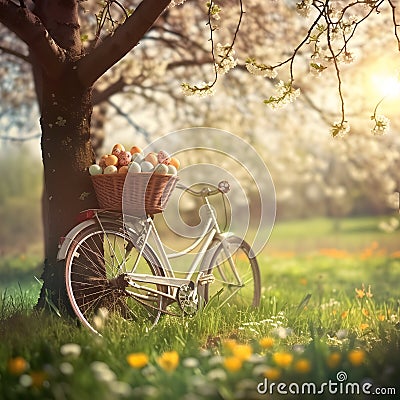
(95,277)
(236,273)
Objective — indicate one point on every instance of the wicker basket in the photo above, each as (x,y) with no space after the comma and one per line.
(147,192)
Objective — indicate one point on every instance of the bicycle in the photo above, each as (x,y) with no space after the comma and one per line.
(111,267)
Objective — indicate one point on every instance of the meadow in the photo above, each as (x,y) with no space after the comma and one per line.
(328,325)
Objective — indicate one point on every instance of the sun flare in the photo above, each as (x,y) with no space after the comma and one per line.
(386,85)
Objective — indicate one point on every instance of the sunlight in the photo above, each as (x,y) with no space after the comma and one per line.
(386,85)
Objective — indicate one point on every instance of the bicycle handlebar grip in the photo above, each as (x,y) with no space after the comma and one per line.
(224,187)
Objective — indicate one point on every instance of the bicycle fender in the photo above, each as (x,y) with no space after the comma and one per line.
(70,237)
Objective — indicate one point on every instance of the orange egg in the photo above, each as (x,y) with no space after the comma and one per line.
(118,148)
(111,159)
(123,170)
(175,162)
(136,149)
(102,161)
(152,158)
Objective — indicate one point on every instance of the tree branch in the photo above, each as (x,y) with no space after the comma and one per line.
(29,29)
(14,53)
(125,38)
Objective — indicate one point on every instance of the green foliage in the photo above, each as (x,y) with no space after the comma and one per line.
(20,194)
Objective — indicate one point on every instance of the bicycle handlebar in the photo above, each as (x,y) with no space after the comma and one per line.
(223,187)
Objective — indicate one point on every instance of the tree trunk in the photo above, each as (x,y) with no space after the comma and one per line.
(67,153)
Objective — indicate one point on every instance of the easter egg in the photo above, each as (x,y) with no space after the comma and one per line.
(172,170)
(123,170)
(161,169)
(118,148)
(152,158)
(138,157)
(102,161)
(134,167)
(135,149)
(110,169)
(175,162)
(146,166)
(111,159)
(124,158)
(163,157)
(95,169)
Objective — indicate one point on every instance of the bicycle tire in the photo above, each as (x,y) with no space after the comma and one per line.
(95,264)
(226,288)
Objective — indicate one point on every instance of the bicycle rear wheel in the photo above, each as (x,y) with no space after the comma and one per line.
(236,273)
(94,276)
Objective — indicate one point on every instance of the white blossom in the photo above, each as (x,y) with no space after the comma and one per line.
(261,69)
(340,129)
(382,125)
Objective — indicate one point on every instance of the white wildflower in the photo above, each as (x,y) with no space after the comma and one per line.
(120,388)
(102,371)
(66,368)
(70,349)
(190,362)
(217,374)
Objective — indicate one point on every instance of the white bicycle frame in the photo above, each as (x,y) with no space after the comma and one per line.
(200,263)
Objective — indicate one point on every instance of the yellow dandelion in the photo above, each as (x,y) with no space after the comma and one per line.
(365,312)
(230,343)
(303,281)
(272,373)
(17,365)
(356,357)
(345,314)
(303,366)
(137,360)
(267,342)
(381,317)
(363,327)
(334,359)
(283,359)
(360,293)
(242,351)
(169,361)
(233,364)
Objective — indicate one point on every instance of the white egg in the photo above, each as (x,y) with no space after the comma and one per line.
(172,170)
(111,169)
(146,166)
(134,167)
(95,169)
(138,157)
(161,169)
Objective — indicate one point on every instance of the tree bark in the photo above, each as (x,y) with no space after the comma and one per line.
(67,153)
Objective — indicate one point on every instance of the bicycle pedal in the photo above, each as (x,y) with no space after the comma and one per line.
(206,279)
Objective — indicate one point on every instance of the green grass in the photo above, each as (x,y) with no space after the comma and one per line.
(311,325)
